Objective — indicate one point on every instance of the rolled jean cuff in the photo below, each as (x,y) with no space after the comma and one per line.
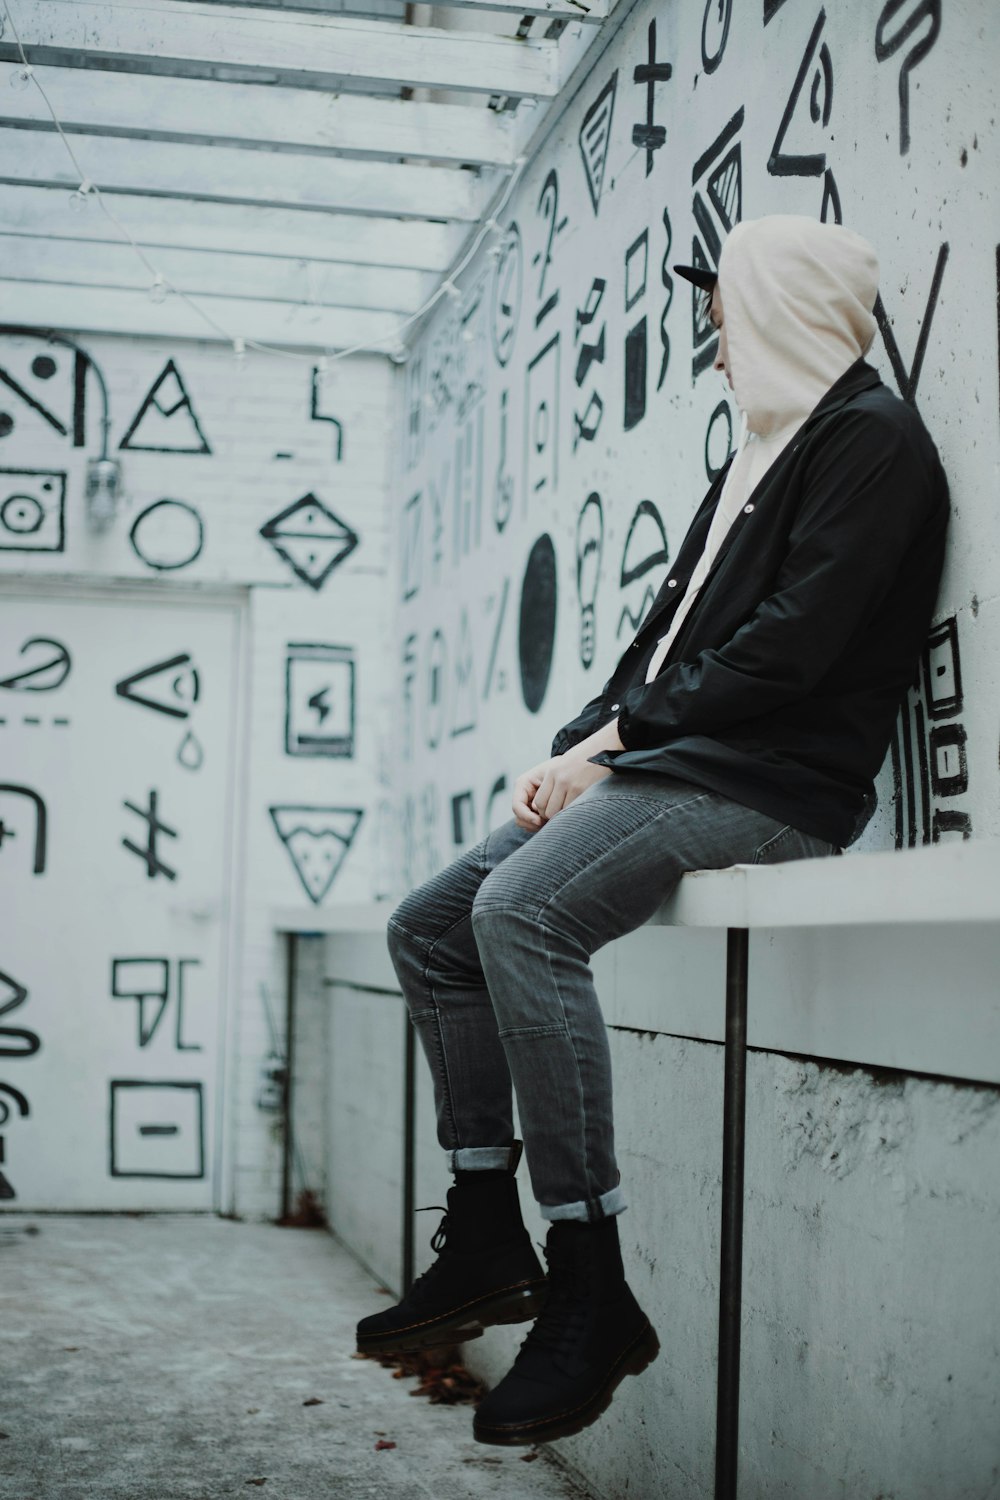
(588,1210)
(485,1158)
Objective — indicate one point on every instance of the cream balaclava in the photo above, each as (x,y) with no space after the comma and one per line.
(797,299)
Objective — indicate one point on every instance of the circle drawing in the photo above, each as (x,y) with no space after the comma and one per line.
(718,440)
(169,534)
(22,515)
(6,423)
(537,626)
(44,366)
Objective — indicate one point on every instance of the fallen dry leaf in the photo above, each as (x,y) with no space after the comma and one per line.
(256,1481)
(527,1458)
(313,1401)
(382,1445)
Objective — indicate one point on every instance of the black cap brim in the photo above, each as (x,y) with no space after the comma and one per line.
(701,278)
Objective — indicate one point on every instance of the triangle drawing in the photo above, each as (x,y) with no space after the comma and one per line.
(169,687)
(595,138)
(310,539)
(166,420)
(317,840)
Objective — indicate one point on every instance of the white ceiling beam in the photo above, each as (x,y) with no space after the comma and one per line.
(273,46)
(86,310)
(225,173)
(260,115)
(233,227)
(204,273)
(593,11)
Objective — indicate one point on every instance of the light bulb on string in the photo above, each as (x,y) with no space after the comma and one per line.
(451,290)
(158,290)
(78,200)
(20,79)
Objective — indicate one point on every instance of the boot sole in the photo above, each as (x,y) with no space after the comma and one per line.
(632,1361)
(514,1305)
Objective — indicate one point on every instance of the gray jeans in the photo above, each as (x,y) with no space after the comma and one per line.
(492,956)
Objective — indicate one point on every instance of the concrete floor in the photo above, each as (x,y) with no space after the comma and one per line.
(168,1357)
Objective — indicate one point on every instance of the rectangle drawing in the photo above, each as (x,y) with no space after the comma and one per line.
(157,1129)
(541,418)
(319,700)
(32,510)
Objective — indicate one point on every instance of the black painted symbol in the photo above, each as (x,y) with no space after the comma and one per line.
(636,271)
(156,1129)
(317,416)
(590,354)
(505,303)
(166,420)
(645,549)
(32,510)
(548,208)
(467,528)
(536,637)
(167,535)
(541,447)
(310,538)
(771,8)
(589,547)
(45,675)
(154,865)
(190,752)
(7,1192)
(437,493)
(168,687)
(716,210)
(668,287)
(147,981)
(44,367)
(718,440)
(888,43)
(650,73)
(503,489)
(949,761)
(13,995)
(816,60)
(471,357)
(950,826)
(319,700)
(493,818)
(414,401)
(435,674)
(499,602)
(595,138)
(412,551)
(464,704)
(38,842)
(463,819)
(943,671)
(317,840)
(715,32)
(908,380)
(409,663)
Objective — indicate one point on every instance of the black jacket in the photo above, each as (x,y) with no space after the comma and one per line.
(783,686)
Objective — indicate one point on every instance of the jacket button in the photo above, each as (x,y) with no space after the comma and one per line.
(671,583)
(747,509)
(615,707)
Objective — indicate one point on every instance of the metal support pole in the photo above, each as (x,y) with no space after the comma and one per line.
(731,1259)
(288,1161)
(409,1138)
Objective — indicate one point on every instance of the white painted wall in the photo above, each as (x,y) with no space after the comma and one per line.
(273,801)
(584,377)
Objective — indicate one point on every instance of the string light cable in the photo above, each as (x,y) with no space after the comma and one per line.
(161,286)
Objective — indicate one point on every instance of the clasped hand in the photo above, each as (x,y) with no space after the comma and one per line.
(554,783)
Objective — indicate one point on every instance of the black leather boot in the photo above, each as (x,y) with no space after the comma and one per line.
(486,1272)
(590,1335)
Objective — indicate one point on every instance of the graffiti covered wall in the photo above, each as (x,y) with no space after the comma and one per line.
(562,420)
(189,710)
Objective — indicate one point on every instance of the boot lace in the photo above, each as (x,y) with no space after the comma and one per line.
(425,1284)
(563,1318)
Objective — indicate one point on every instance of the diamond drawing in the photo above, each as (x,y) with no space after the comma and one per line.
(310,539)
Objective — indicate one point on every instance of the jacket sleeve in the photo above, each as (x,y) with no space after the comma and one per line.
(866,495)
(590,717)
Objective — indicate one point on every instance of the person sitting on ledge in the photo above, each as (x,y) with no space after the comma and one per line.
(744,724)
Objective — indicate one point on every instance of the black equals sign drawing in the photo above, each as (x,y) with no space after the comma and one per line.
(159,1130)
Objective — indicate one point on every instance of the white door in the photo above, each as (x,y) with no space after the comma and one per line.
(116,777)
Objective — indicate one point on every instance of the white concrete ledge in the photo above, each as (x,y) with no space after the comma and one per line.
(946,883)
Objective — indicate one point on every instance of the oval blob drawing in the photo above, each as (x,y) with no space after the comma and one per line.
(537,626)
